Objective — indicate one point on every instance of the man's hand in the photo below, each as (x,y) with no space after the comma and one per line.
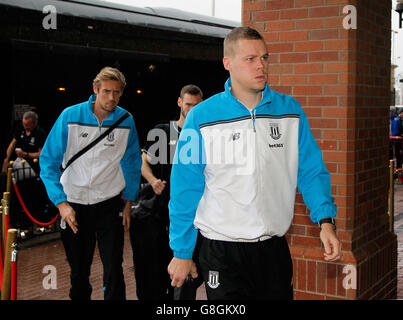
(126,215)
(158,186)
(179,269)
(68,215)
(20,153)
(330,242)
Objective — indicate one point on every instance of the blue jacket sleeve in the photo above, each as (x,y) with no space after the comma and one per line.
(187,188)
(131,164)
(313,177)
(51,159)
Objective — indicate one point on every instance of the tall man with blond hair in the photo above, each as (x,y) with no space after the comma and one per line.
(89,192)
(240,157)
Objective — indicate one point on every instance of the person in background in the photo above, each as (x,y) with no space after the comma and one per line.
(149,235)
(27,142)
(395,145)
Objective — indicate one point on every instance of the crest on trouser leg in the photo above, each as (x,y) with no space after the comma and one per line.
(213,279)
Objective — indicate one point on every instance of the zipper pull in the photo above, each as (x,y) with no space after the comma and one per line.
(100,127)
(253,120)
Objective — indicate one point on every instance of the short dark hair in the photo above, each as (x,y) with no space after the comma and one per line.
(192,90)
(30,115)
(238,34)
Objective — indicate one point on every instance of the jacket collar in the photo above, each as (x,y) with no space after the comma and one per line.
(266,98)
(91,100)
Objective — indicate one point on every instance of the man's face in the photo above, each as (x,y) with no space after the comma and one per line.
(249,64)
(188,102)
(29,124)
(108,94)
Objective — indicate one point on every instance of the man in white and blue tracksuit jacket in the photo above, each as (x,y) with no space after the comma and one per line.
(234,182)
(89,192)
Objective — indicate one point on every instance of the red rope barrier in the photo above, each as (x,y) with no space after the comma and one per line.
(1,266)
(13,281)
(13,294)
(17,192)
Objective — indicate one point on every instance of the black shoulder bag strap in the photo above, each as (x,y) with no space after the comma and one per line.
(93,143)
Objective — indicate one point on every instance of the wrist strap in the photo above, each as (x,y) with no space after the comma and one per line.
(327,220)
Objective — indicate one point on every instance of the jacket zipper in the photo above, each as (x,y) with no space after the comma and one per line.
(99,132)
(257,160)
(253,117)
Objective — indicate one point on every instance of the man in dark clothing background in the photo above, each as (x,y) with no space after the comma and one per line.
(149,235)
(27,142)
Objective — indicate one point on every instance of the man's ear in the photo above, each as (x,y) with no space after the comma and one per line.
(180,102)
(94,87)
(227,63)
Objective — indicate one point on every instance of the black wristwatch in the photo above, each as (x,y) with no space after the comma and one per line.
(327,220)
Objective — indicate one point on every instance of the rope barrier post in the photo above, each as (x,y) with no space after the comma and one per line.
(36,160)
(6,196)
(391,197)
(4,228)
(6,217)
(1,248)
(11,238)
(1,220)
(3,224)
(23,168)
(9,177)
(13,295)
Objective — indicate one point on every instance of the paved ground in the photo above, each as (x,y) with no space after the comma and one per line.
(399,232)
(37,265)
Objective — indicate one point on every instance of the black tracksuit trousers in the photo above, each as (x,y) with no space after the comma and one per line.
(246,270)
(151,255)
(99,222)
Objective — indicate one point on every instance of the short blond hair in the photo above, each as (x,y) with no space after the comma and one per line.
(109,73)
(238,34)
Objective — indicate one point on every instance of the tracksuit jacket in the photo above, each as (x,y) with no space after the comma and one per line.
(236,171)
(109,168)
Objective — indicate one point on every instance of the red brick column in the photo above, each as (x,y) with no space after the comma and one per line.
(341,77)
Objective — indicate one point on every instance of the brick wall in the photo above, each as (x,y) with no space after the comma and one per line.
(341,77)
